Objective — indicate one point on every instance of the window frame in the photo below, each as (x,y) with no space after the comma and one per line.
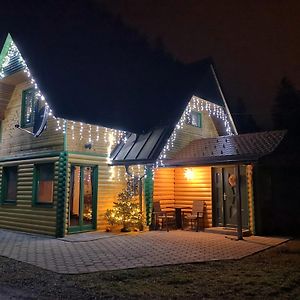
(23,109)
(199,119)
(4,186)
(36,181)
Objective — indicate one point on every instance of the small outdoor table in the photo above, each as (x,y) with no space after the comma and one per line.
(178,215)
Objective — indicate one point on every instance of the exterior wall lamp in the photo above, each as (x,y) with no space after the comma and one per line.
(189,173)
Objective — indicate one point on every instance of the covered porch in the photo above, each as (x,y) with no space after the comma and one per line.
(178,188)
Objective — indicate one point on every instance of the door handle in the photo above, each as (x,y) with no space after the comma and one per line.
(224,196)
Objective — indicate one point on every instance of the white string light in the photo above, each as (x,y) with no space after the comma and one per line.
(113,136)
(195,104)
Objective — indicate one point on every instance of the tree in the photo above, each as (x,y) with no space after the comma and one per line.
(244,120)
(126,210)
(286,108)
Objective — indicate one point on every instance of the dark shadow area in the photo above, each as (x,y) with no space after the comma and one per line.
(94,69)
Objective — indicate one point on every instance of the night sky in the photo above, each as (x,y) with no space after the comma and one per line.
(253,44)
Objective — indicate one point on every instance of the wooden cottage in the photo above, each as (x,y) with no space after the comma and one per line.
(59,176)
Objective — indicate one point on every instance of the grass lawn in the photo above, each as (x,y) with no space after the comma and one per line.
(271,274)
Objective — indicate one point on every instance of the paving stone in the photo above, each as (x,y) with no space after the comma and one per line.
(91,252)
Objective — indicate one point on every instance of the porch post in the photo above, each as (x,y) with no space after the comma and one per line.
(239,203)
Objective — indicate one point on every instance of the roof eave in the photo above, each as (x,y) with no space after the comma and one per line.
(132,162)
(210,162)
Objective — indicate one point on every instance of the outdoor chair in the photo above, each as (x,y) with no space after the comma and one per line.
(196,214)
(166,217)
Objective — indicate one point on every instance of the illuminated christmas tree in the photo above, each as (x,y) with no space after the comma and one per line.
(126,211)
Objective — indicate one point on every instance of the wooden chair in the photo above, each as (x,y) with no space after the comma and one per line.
(197,214)
(166,217)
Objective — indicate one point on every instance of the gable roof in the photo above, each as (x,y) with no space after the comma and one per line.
(227,149)
(99,77)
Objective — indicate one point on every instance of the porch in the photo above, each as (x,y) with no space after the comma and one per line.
(176,189)
(98,251)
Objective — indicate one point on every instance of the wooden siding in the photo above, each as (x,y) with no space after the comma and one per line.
(78,135)
(24,215)
(197,188)
(5,95)
(163,188)
(171,189)
(108,186)
(249,176)
(189,133)
(111,180)
(15,141)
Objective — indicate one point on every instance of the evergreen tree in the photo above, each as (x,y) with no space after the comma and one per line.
(126,210)
(286,108)
(244,120)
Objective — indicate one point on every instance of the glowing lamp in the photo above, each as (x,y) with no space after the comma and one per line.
(188,174)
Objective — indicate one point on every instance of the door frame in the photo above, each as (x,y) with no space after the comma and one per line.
(88,227)
(216,194)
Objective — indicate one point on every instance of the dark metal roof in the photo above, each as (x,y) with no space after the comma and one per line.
(141,148)
(93,69)
(225,149)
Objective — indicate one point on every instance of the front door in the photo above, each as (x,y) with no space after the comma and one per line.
(82,210)
(224,197)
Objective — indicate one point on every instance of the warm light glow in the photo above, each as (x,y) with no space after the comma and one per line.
(189,173)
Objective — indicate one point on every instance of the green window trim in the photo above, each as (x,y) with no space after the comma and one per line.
(6,173)
(95,172)
(36,185)
(25,120)
(0,131)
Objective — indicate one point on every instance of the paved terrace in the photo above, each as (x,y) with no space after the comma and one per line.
(91,252)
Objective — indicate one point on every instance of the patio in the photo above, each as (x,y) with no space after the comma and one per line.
(97,251)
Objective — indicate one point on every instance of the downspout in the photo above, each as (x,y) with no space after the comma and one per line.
(223,98)
(140,185)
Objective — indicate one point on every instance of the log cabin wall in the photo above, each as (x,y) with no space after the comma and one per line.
(199,187)
(24,215)
(17,145)
(163,187)
(6,91)
(172,188)
(110,184)
(111,180)
(79,135)
(15,142)
(188,133)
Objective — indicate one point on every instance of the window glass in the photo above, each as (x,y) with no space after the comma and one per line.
(28,107)
(10,184)
(45,178)
(195,119)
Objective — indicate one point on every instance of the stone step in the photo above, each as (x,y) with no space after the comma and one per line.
(227,231)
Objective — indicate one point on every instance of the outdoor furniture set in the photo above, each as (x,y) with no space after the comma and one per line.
(178,216)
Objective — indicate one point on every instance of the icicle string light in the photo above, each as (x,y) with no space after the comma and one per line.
(14,53)
(199,105)
(112,136)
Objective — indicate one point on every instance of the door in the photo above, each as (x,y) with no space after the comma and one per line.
(229,199)
(224,197)
(83,197)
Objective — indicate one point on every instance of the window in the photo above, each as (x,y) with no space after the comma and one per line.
(44,177)
(9,184)
(195,119)
(29,101)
